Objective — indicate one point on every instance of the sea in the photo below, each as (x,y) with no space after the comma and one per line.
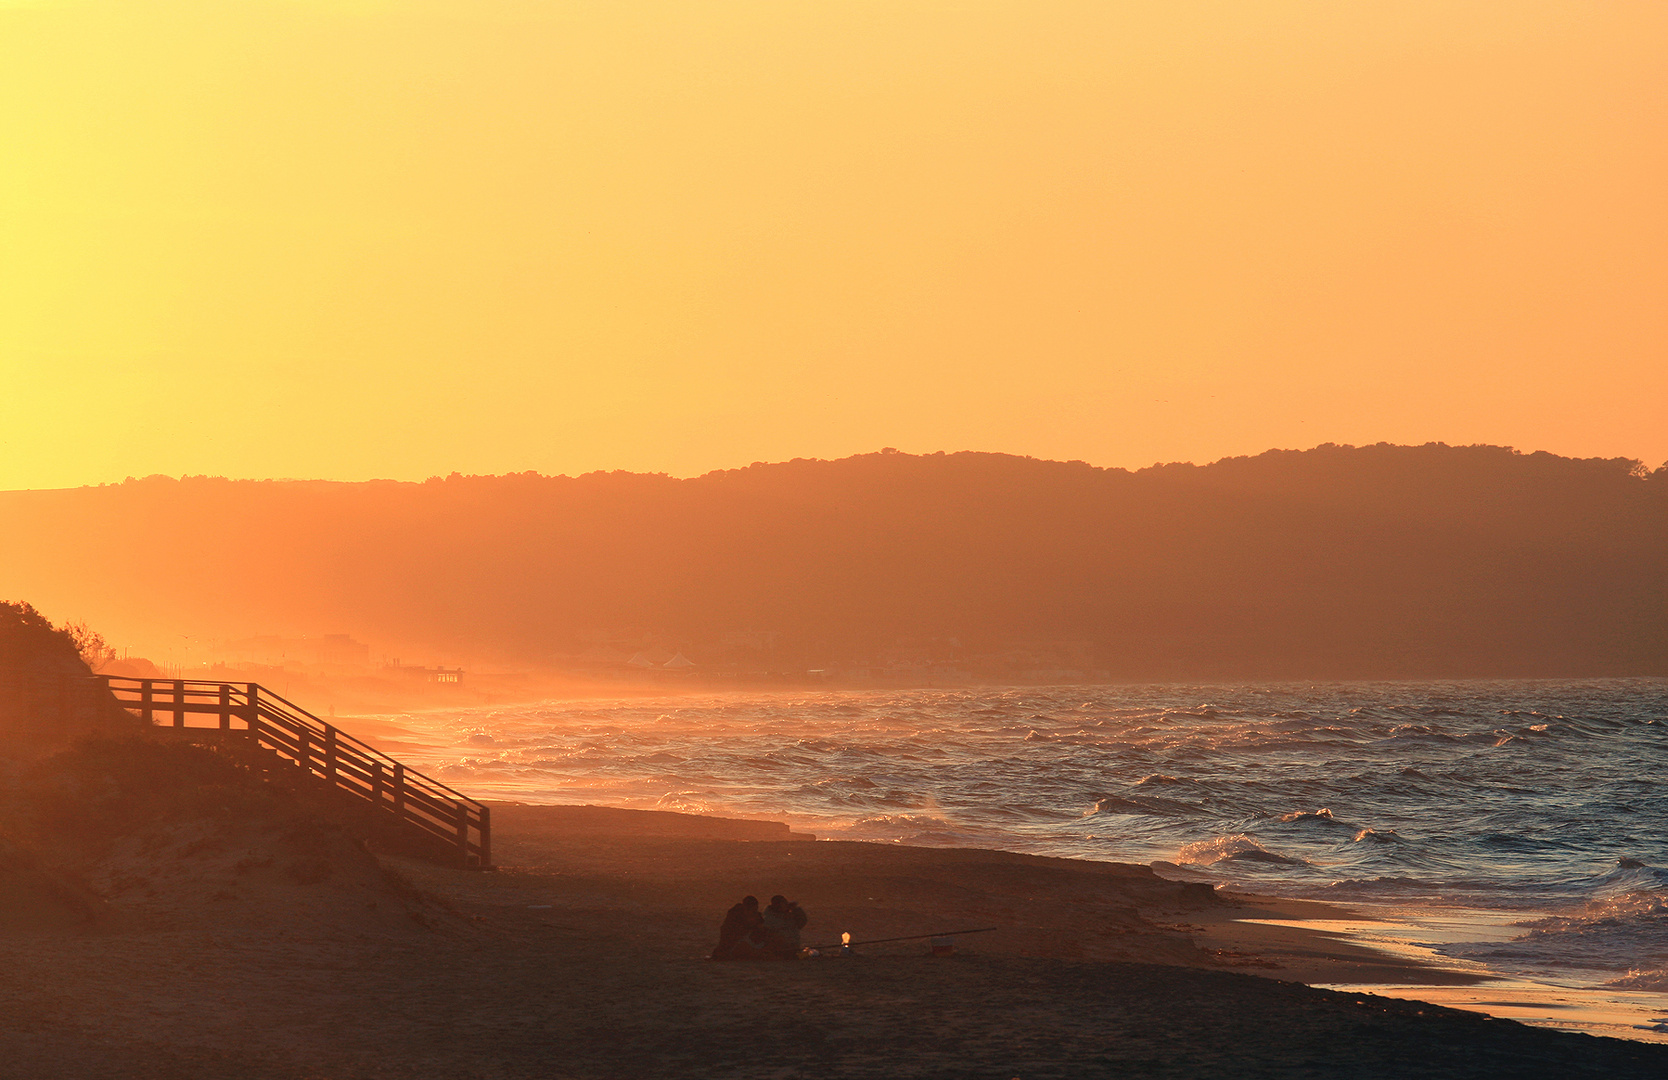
(1515,829)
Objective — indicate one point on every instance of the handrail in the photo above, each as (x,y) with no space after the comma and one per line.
(322,750)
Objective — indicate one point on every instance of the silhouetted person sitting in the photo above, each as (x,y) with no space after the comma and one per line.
(783,920)
(742,934)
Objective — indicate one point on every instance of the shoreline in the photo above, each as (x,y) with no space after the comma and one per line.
(1358,946)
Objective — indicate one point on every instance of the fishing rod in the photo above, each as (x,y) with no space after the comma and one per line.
(848,943)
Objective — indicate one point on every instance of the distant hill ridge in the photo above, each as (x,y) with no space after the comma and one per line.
(1335,562)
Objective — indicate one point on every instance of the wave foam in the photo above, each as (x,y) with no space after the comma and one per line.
(1627,932)
(1236,846)
(1637,979)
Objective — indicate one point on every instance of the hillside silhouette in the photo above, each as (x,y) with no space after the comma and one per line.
(1336,562)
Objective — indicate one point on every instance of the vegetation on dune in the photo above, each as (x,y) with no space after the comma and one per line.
(29,641)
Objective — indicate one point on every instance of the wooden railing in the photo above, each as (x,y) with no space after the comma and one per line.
(250,710)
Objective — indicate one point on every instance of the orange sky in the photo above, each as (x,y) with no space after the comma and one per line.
(359,239)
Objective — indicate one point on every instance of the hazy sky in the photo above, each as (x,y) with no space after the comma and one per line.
(395,239)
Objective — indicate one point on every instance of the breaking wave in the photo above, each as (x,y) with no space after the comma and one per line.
(1627,932)
(1238,847)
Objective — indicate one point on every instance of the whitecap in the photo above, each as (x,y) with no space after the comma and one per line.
(1236,846)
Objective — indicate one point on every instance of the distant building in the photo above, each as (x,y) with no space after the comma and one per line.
(444,675)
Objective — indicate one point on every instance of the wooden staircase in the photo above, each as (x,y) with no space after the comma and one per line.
(438,820)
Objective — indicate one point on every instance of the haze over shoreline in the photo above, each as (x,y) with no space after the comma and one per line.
(1336,562)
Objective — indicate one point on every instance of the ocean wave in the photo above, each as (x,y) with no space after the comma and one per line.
(1381,885)
(1423,731)
(1311,825)
(1160,778)
(687,802)
(1646,907)
(1263,856)
(1115,804)
(1513,842)
(927,829)
(1236,846)
(1626,932)
(845,781)
(1628,876)
(1642,979)
(1323,814)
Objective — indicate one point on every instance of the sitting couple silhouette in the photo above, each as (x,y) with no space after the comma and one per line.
(750,934)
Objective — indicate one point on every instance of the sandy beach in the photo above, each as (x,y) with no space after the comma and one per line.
(279,947)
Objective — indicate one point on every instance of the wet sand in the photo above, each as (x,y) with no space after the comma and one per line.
(583,956)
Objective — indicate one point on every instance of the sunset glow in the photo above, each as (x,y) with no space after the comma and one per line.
(838,538)
(346,240)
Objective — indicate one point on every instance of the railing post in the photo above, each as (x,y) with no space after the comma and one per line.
(179,703)
(303,752)
(376,783)
(145,711)
(486,836)
(225,707)
(460,814)
(252,712)
(330,754)
(399,790)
